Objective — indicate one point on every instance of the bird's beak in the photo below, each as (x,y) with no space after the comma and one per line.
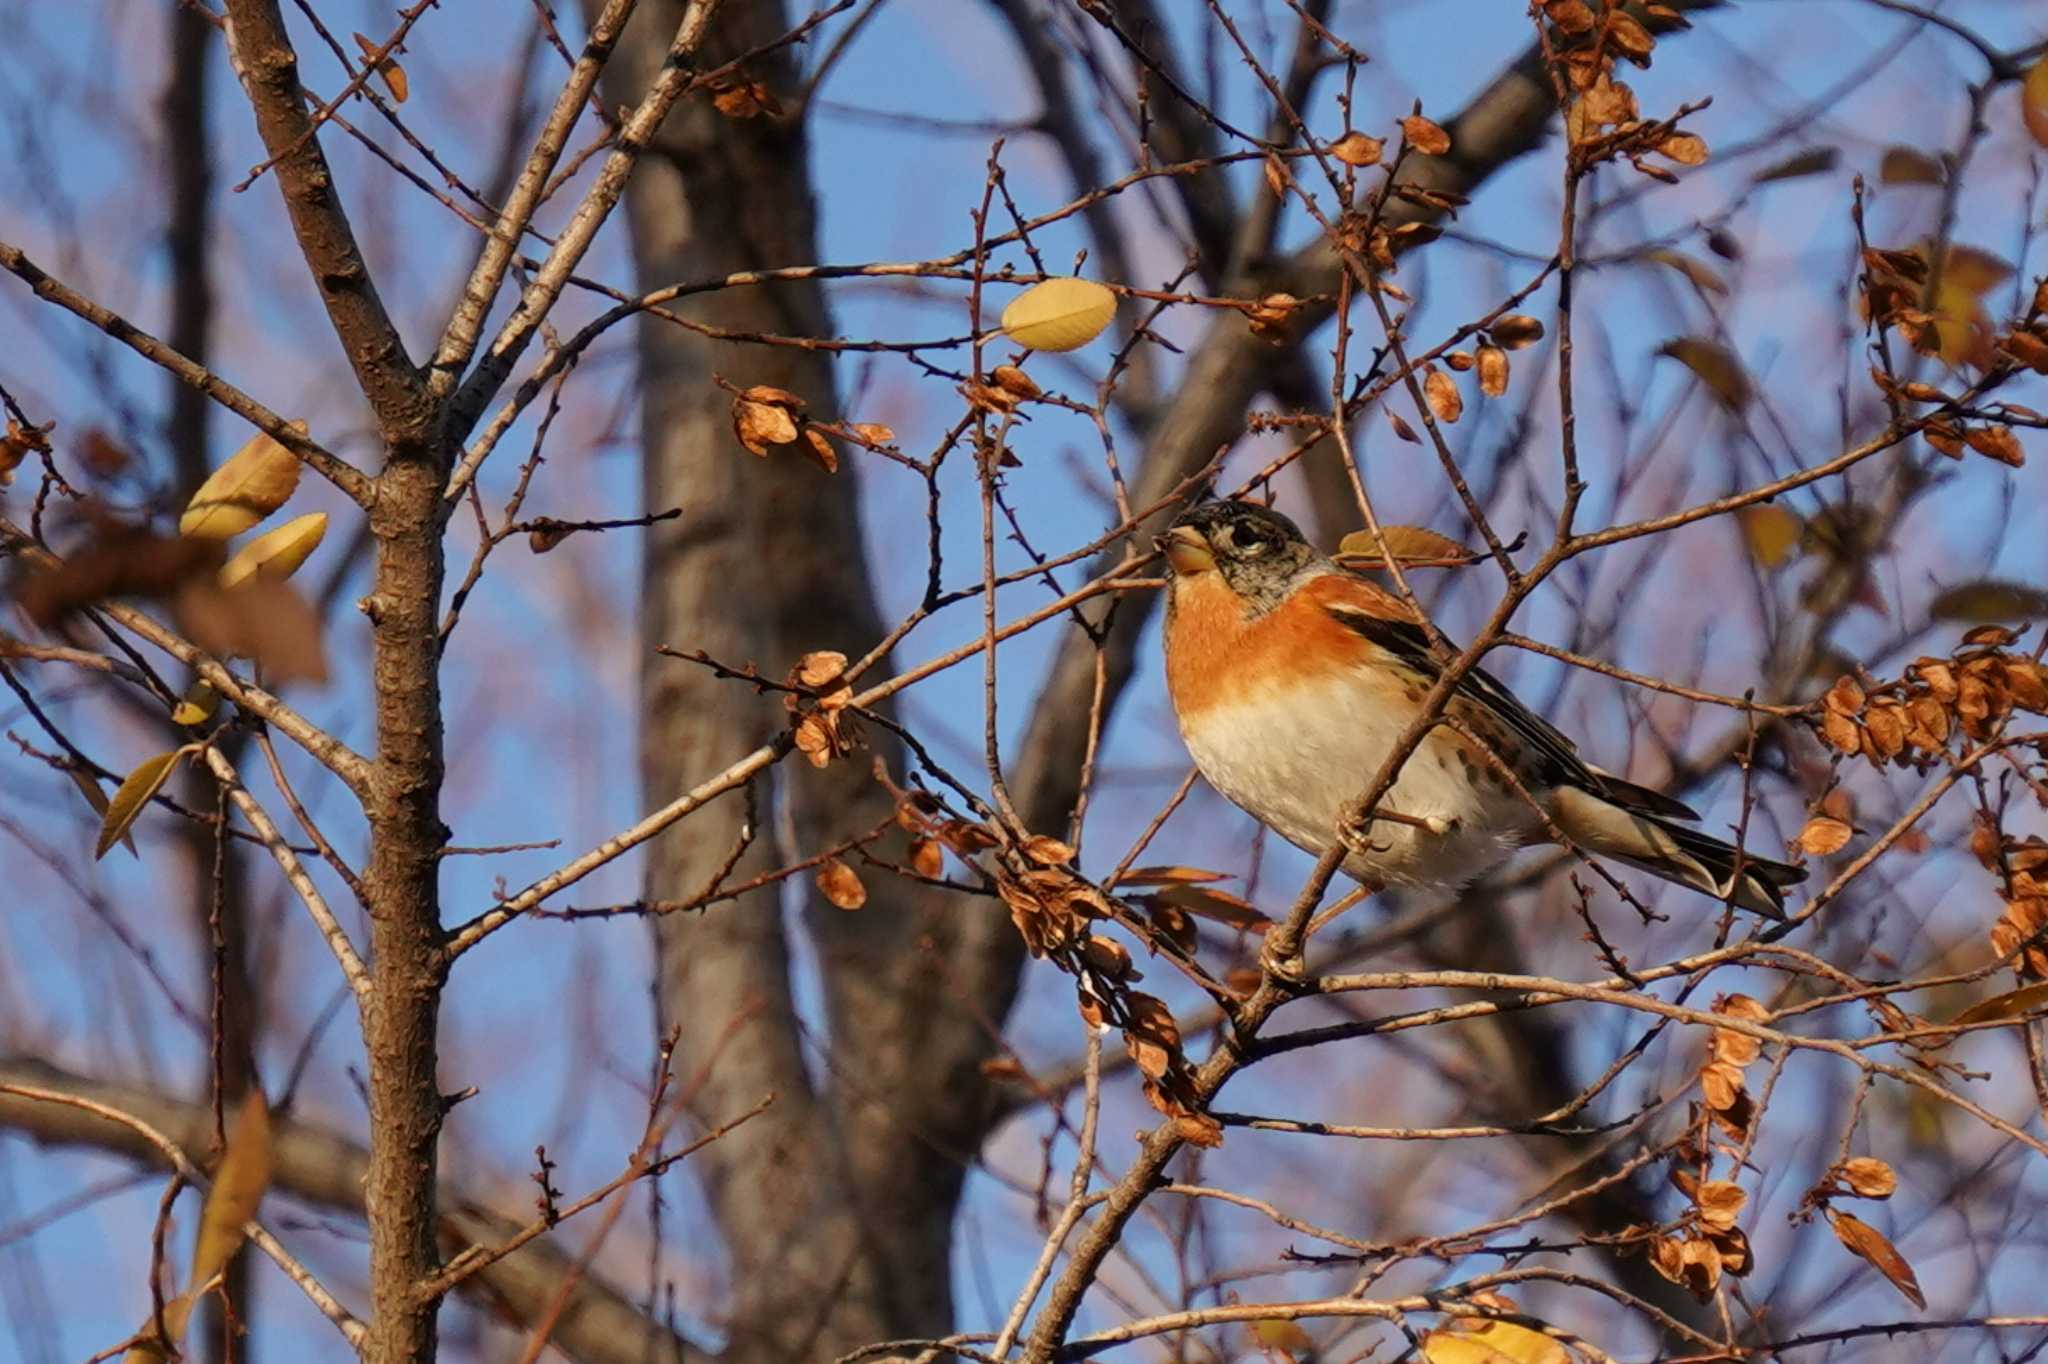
(1187,551)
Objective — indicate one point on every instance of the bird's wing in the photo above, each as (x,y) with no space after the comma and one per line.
(1385,621)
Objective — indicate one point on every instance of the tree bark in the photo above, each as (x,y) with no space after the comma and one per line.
(836,1206)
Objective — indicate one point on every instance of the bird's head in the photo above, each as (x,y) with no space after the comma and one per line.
(1254,551)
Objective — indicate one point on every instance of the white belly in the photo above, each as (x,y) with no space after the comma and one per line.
(1294,767)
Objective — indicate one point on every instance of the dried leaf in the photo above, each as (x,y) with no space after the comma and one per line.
(1868,1177)
(262,619)
(1868,1242)
(1989,600)
(1048,851)
(276,553)
(390,70)
(124,561)
(1168,876)
(1687,149)
(1721,1085)
(841,884)
(1574,17)
(1905,166)
(255,481)
(819,447)
(1107,957)
(1772,532)
(102,454)
(1996,442)
(1356,149)
(1493,371)
(1514,332)
(1401,427)
(1629,37)
(874,433)
(1059,314)
(1409,544)
(1816,161)
(1209,903)
(1014,380)
(1715,365)
(1720,1202)
(132,796)
(738,97)
(1424,136)
(1823,836)
(928,858)
(237,1190)
(1442,393)
(1703,276)
(762,424)
(2011,1004)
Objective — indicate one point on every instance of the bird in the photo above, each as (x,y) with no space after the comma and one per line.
(1292,678)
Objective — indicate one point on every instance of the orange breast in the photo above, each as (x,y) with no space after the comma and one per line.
(1217,654)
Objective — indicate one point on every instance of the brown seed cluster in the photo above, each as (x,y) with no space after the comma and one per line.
(2021,864)
(1911,721)
(1603,121)
(1055,911)
(1708,1244)
(765,416)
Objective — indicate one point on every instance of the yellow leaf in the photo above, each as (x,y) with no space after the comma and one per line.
(2011,1004)
(134,793)
(197,705)
(1443,1347)
(276,553)
(89,786)
(1060,314)
(1278,1333)
(1715,365)
(1475,1341)
(237,1190)
(2034,101)
(253,483)
(1770,531)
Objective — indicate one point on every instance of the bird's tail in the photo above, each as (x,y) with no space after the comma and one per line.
(1659,845)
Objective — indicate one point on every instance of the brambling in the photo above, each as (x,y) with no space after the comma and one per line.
(1293,677)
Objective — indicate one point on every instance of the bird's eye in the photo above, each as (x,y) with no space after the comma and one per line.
(1248,539)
